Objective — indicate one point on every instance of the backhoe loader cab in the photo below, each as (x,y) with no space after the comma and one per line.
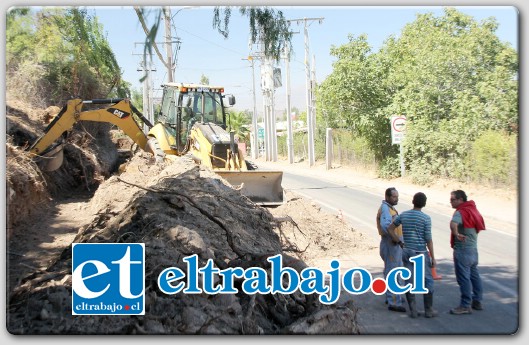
(183,105)
(195,123)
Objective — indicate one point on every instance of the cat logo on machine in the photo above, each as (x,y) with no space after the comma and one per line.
(119,113)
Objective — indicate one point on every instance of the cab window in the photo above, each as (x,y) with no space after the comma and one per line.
(212,108)
(169,107)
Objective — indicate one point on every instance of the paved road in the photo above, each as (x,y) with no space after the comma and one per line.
(498,265)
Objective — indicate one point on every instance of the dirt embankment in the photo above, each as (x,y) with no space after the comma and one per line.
(177,209)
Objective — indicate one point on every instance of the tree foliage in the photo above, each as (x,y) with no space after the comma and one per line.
(493,155)
(266,25)
(204,80)
(67,53)
(239,122)
(18,36)
(451,76)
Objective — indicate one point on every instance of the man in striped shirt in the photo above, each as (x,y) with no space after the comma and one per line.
(417,240)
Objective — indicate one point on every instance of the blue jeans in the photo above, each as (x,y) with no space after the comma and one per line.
(467,275)
(428,278)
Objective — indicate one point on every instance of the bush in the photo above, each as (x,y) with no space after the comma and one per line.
(419,175)
(300,146)
(493,159)
(347,149)
(26,82)
(389,168)
(351,150)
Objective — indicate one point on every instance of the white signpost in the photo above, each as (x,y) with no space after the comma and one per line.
(398,131)
(398,127)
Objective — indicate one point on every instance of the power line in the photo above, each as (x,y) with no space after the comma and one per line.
(211,69)
(216,44)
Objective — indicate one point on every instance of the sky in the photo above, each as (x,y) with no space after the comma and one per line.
(204,51)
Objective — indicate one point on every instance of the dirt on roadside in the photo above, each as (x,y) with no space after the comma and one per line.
(176,209)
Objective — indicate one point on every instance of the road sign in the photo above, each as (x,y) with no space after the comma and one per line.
(398,128)
(260,133)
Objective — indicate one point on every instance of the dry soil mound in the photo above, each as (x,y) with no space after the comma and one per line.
(177,209)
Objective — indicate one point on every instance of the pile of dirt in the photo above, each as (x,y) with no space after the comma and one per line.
(177,209)
(314,236)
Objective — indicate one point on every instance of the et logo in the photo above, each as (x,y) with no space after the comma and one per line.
(108,279)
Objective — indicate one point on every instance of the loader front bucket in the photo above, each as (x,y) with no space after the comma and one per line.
(261,186)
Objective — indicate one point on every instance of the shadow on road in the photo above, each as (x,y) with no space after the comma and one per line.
(500,301)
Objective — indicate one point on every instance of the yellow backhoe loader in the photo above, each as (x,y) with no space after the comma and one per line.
(192,121)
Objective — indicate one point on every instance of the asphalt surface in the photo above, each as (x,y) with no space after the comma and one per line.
(499,269)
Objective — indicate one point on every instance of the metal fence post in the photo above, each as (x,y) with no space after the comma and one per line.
(328,148)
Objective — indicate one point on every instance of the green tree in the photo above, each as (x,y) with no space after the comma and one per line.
(19,36)
(65,55)
(94,68)
(451,76)
(458,80)
(204,80)
(239,122)
(302,116)
(355,94)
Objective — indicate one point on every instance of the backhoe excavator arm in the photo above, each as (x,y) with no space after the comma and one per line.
(119,114)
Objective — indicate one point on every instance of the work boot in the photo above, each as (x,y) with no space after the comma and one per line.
(411,303)
(476,305)
(428,306)
(461,310)
(398,308)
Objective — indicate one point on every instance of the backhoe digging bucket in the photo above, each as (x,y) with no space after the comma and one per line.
(262,187)
(52,159)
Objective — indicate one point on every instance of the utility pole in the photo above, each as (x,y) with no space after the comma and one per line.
(267,83)
(255,143)
(272,109)
(146,107)
(267,86)
(268,89)
(168,45)
(311,114)
(290,137)
(313,102)
(310,145)
(150,93)
(148,103)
